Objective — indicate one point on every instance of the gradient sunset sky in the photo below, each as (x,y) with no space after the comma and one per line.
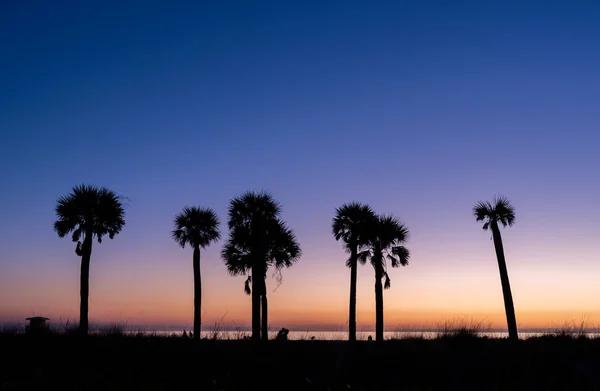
(418,108)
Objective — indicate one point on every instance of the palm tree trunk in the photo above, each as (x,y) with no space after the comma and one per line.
(84,283)
(508,300)
(265,311)
(197,292)
(353,276)
(378,304)
(255,304)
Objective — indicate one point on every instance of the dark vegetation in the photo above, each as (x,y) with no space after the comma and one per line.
(453,361)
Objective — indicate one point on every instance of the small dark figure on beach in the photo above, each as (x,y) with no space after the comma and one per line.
(282,335)
(370,338)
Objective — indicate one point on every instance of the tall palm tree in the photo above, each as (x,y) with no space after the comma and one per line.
(386,238)
(88,212)
(258,239)
(350,224)
(500,211)
(197,227)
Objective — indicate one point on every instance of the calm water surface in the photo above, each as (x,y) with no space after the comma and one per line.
(342,336)
(300,335)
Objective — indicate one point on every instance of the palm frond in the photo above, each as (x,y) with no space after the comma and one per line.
(180,236)
(386,237)
(482,210)
(388,282)
(349,262)
(78,250)
(247,285)
(196,226)
(505,211)
(76,234)
(109,214)
(252,207)
(363,256)
(350,224)
(389,231)
(89,210)
(69,215)
(393,260)
(238,259)
(401,255)
(258,237)
(62,227)
(284,249)
(499,211)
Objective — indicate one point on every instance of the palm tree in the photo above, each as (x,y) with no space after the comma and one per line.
(386,236)
(197,227)
(88,212)
(500,210)
(258,239)
(351,224)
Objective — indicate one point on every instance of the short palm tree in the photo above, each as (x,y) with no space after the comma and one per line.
(198,228)
(386,238)
(258,239)
(88,212)
(500,211)
(350,224)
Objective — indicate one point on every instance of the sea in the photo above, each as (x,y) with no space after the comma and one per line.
(298,334)
(343,336)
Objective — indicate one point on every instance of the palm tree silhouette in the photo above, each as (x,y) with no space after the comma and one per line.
(258,239)
(197,227)
(500,210)
(88,212)
(386,236)
(350,224)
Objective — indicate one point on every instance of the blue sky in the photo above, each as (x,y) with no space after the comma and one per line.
(419,108)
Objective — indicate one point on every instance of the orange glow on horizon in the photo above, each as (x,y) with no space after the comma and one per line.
(314,294)
(153,316)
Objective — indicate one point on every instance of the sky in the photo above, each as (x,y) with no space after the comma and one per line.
(417,108)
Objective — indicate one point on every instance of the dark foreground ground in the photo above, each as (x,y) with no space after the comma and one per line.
(61,362)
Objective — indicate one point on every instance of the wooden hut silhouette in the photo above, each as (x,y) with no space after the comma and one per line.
(37,324)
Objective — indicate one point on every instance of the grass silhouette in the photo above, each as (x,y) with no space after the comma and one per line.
(461,328)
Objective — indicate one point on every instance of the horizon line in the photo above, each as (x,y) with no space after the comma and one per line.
(316,328)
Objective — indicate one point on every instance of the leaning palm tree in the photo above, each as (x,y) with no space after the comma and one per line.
(88,212)
(197,227)
(386,238)
(258,239)
(350,224)
(500,211)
